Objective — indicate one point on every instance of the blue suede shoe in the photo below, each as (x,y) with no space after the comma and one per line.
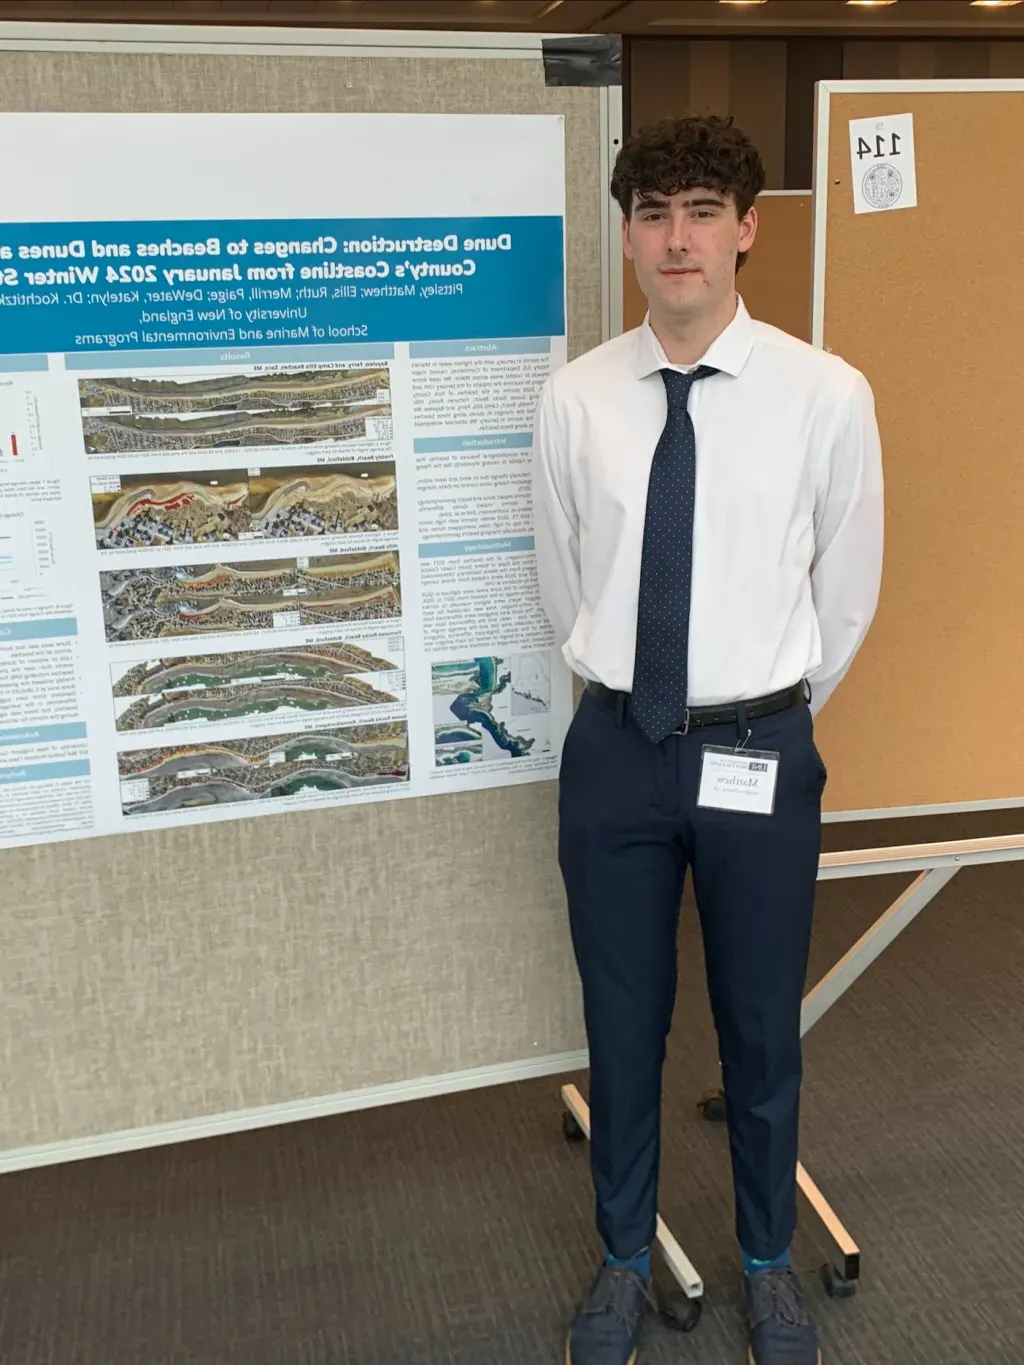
(781,1332)
(607,1327)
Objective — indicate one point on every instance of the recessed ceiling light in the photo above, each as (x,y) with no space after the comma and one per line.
(871,4)
(741,2)
(994,4)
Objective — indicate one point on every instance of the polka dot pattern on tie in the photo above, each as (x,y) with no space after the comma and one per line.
(663,610)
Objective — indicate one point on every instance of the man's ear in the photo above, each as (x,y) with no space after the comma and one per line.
(748,229)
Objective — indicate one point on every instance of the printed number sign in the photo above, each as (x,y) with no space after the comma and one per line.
(883,163)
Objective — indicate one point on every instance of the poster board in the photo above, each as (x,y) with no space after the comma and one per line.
(221,975)
(928,718)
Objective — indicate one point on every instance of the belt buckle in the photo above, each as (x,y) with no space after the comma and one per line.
(685,728)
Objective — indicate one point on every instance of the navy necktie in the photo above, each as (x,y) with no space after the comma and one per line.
(663,610)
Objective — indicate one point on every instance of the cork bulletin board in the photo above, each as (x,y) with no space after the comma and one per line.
(927,302)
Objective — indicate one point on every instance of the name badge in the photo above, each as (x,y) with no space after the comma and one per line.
(738,779)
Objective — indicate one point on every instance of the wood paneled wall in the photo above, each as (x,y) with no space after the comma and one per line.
(768,84)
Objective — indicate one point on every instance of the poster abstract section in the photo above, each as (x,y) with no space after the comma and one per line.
(265,526)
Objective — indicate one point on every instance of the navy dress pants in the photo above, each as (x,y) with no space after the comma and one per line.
(629,829)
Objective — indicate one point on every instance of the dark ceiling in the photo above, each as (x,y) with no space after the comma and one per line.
(650,18)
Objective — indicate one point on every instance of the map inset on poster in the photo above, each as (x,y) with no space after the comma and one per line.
(492,708)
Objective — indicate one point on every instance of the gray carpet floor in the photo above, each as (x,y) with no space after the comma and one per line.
(458,1231)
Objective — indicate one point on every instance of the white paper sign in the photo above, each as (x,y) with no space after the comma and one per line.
(883,163)
(738,779)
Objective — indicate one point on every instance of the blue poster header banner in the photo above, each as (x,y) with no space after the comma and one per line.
(130,286)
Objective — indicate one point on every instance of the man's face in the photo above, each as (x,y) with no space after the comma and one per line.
(684,247)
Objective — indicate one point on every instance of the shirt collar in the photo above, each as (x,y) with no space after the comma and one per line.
(728,352)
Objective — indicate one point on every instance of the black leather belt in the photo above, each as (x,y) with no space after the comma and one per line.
(704,717)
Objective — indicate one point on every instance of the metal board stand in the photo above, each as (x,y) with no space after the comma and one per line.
(936,864)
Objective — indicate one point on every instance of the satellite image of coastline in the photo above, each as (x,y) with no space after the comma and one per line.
(135,413)
(265,594)
(491,707)
(263,767)
(224,505)
(219,392)
(324,500)
(126,434)
(222,687)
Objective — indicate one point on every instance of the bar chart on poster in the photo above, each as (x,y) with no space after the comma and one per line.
(21,448)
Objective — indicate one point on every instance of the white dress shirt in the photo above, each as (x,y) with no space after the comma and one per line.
(788,522)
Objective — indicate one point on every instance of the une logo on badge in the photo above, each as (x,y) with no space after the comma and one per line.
(758,767)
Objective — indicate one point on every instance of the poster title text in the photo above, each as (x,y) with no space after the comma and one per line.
(90,261)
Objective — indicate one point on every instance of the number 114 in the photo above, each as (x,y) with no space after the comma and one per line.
(864,147)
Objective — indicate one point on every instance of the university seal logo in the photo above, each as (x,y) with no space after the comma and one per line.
(882,186)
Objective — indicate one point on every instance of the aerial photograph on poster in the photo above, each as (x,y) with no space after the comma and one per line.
(137,413)
(263,767)
(145,511)
(204,688)
(268,594)
(324,500)
(491,707)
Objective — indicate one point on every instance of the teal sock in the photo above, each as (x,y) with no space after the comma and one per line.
(751,1265)
(641,1262)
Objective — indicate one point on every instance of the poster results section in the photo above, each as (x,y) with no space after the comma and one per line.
(220,626)
(265,537)
(252,605)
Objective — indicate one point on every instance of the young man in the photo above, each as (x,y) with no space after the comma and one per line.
(708,508)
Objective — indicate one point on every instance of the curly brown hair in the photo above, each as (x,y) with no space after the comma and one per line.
(694,152)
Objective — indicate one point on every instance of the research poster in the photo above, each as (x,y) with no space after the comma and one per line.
(267,385)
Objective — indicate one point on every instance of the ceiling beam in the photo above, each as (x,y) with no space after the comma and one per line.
(648,18)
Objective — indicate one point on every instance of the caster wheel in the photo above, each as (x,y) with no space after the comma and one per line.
(837,1286)
(712,1107)
(679,1312)
(571,1130)
(674,1308)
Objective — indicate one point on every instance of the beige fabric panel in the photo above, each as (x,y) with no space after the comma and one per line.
(775,281)
(929,307)
(163,976)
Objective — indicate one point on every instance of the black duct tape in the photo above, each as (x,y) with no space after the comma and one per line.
(583,60)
